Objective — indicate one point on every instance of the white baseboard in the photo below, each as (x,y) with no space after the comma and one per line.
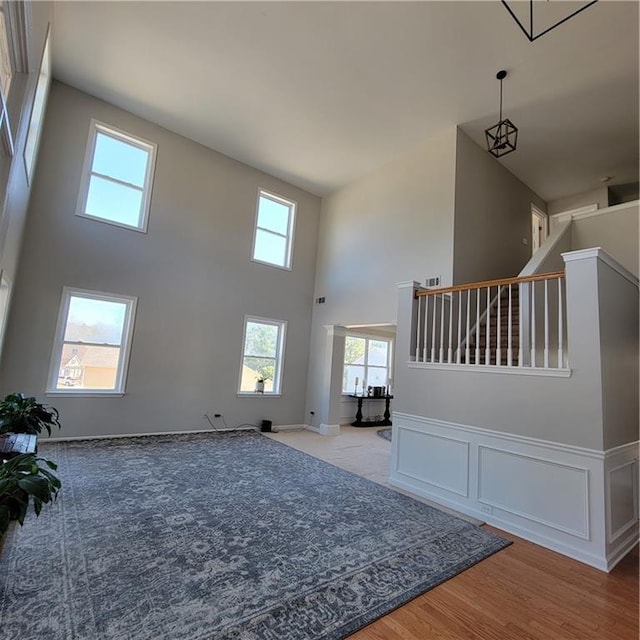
(553,494)
(325,429)
(140,435)
(290,427)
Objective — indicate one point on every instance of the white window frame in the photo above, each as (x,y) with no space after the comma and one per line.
(59,342)
(151,147)
(279,369)
(369,337)
(292,204)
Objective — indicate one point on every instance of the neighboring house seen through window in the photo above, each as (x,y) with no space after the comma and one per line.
(92,344)
(368,359)
(117,178)
(273,239)
(262,355)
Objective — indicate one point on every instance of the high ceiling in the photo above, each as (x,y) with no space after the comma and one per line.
(321,93)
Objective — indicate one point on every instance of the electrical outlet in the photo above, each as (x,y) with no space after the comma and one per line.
(487,509)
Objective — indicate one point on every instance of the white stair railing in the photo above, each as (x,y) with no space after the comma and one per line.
(519,322)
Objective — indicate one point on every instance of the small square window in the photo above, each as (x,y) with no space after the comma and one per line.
(262,356)
(92,345)
(117,178)
(273,239)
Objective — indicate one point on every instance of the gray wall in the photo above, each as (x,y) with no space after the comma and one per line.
(619,347)
(191,272)
(492,216)
(391,225)
(16,195)
(616,231)
(599,196)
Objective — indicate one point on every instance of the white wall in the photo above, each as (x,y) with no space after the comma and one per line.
(492,216)
(394,223)
(191,272)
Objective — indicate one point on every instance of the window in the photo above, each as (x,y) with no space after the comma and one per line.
(273,238)
(6,76)
(5,296)
(117,178)
(367,359)
(37,110)
(92,345)
(262,355)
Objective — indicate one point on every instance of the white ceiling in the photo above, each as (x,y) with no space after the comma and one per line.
(321,93)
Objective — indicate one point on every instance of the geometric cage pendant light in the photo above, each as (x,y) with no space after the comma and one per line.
(502,138)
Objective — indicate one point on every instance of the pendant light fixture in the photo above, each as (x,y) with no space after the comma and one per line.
(548,15)
(502,138)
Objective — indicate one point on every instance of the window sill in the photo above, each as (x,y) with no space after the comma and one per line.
(85,394)
(253,394)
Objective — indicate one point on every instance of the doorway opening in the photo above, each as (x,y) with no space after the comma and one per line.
(539,229)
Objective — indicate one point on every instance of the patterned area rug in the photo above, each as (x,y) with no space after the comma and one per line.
(220,537)
(385,434)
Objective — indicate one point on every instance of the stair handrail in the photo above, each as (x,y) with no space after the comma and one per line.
(490,283)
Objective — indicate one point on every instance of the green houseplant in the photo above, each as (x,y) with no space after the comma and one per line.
(23,414)
(23,479)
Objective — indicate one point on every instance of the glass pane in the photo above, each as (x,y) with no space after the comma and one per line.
(5,62)
(351,372)
(377,376)
(270,248)
(378,352)
(91,320)
(354,350)
(88,367)
(261,340)
(120,160)
(273,216)
(115,202)
(254,368)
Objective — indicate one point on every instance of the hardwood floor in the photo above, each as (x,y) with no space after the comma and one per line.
(524,592)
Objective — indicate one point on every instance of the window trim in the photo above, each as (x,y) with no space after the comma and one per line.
(95,127)
(390,355)
(282,340)
(293,205)
(58,342)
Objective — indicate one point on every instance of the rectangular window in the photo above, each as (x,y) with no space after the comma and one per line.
(117,178)
(262,356)
(273,239)
(93,340)
(368,359)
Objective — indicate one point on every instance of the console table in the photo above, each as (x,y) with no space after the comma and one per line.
(359,422)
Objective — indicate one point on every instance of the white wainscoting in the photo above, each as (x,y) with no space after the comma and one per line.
(580,502)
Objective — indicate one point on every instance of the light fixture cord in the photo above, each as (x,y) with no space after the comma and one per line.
(500,99)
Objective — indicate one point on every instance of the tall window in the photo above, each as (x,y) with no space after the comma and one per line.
(273,238)
(262,355)
(6,75)
(92,345)
(117,178)
(366,358)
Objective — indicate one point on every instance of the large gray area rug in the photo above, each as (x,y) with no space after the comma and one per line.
(217,537)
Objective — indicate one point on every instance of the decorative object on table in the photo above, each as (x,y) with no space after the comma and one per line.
(25,479)
(385,434)
(364,386)
(355,391)
(260,385)
(548,15)
(23,414)
(502,138)
(291,561)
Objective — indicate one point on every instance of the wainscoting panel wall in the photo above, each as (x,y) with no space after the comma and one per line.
(579,502)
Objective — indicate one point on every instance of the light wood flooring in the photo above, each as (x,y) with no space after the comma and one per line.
(524,592)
